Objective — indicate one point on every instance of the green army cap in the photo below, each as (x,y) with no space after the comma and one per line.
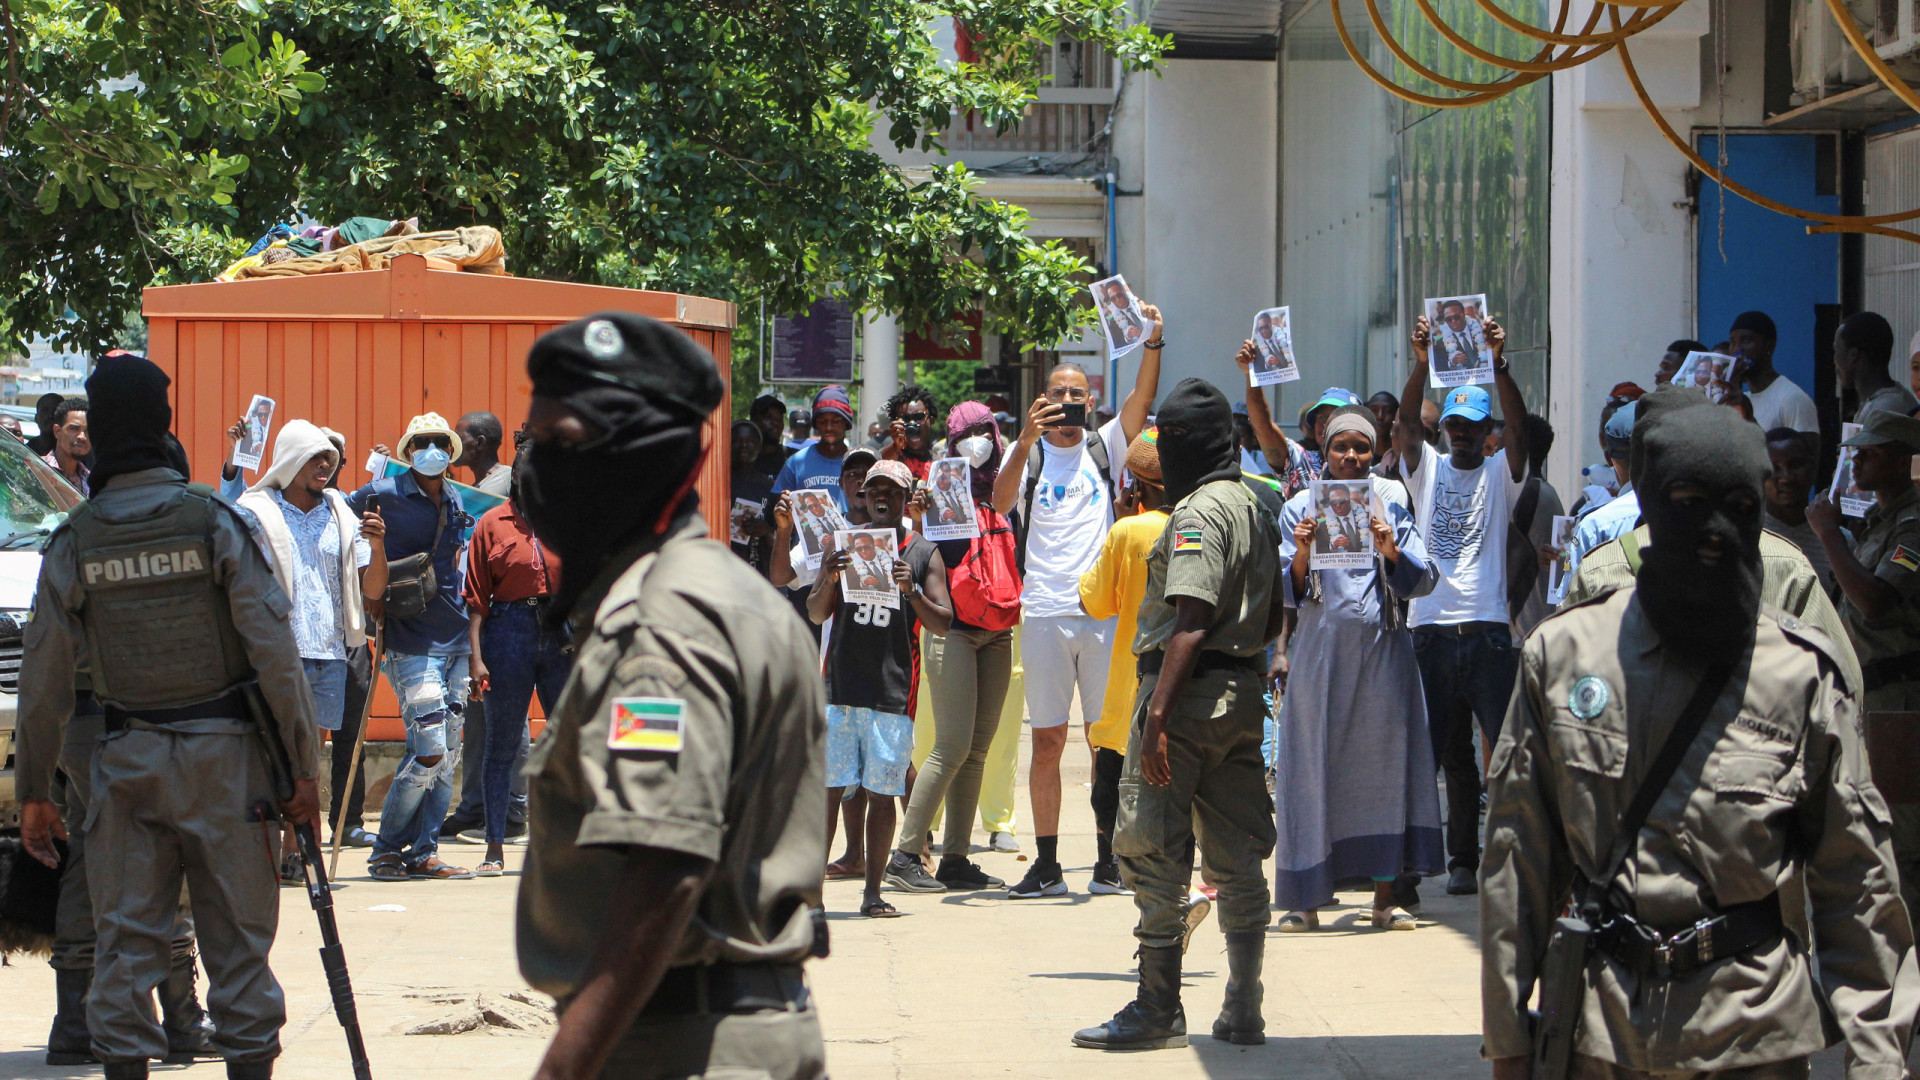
(1882,427)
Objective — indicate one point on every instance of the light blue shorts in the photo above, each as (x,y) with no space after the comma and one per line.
(868,748)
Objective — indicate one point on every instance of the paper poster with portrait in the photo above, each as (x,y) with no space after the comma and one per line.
(1121,320)
(743,512)
(868,578)
(253,433)
(1342,525)
(816,517)
(1852,501)
(1560,571)
(1709,371)
(1458,353)
(950,513)
(1273,343)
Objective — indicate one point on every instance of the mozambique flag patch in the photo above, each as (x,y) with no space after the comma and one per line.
(647,723)
(1906,558)
(1187,539)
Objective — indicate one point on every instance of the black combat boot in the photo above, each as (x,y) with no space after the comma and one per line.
(69,1043)
(1152,1020)
(250,1070)
(1240,1021)
(189,1029)
(127,1070)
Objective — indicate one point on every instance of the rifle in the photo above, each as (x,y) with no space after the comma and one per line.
(332,956)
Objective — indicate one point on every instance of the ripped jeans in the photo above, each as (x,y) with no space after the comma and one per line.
(432,692)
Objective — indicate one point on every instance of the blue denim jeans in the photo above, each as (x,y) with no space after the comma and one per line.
(328,678)
(522,658)
(1467,677)
(432,692)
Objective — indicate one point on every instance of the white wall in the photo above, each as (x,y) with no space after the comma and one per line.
(1622,264)
(1199,242)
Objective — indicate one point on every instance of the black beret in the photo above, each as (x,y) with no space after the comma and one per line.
(622,350)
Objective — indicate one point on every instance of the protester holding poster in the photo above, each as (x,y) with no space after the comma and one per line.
(1343,523)
(253,438)
(949,502)
(1355,792)
(873,660)
(816,517)
(1120,315)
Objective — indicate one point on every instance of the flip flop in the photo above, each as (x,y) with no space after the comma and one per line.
(489,869)
(387,868)
(436,869)
(1298,922)
(879,909)
(840,871)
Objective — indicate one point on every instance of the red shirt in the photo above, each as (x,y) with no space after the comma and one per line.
(505,563)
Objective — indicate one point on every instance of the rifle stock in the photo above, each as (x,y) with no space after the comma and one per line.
(333,956)
(1563,985)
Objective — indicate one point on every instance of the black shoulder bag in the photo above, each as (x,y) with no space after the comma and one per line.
(411,582)
(1563,981)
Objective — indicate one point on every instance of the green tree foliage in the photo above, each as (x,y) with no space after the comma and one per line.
(712,146)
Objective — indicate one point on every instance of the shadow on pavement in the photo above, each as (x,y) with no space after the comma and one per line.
(1373,1057)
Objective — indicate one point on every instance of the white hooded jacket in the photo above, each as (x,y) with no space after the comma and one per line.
(296,445)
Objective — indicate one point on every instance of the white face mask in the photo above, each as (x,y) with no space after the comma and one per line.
(431,462)
(976,450)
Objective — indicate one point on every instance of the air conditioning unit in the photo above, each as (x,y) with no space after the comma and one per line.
(1899,29)
(1823,60)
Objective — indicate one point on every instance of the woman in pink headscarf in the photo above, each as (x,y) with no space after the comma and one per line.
(967,671)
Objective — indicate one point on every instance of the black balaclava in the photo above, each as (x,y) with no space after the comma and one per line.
(127,418)
(1648,411)
(648,389)
(1708,612)
(1202,448)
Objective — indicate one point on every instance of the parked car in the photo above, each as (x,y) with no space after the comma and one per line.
(34,500)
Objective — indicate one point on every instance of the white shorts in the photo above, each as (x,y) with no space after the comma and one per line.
(1058,653)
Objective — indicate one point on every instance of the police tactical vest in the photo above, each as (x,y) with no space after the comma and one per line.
(158,627)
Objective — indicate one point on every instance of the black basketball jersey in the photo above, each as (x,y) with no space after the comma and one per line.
(873,660)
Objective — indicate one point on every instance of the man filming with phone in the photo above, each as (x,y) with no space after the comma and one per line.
(1062,478)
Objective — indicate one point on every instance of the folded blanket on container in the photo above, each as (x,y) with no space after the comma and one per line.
(476,249)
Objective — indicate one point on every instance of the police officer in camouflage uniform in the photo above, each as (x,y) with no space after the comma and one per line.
(1213,602)
(1695,972)
(1879,576)
(675,853)
(161,589)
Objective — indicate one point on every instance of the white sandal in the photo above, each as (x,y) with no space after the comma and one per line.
(1394,919)
(1299,922)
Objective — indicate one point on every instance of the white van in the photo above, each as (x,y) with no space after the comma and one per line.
(34,499)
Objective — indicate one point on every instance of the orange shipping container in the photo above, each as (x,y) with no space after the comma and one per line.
(363,352)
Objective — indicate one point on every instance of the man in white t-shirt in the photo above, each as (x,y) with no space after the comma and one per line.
(1463,502)
(1066,511)
(1776,401)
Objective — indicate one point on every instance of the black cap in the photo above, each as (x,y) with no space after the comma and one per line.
(622,350)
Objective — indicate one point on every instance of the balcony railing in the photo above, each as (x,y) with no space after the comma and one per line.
(1061,122)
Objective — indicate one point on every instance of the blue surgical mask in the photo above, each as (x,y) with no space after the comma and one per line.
(432,461)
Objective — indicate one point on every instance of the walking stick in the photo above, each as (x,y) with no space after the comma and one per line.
(359,745)
(333,957)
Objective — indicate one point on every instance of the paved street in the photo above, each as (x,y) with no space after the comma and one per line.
(962,987)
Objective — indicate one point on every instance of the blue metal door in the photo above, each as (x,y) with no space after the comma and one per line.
(1771,264)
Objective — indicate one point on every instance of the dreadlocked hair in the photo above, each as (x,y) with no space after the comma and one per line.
(936,420)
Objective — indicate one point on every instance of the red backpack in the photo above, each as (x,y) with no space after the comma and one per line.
(986,584)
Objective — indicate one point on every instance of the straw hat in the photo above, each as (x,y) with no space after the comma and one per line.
(426,424)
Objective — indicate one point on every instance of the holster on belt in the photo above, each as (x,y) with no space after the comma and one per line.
(1651,953)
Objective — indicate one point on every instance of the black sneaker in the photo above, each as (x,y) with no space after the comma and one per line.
(1043,879)
(1106,880)
(1462,882)
(451,828)
(905,872)
(959,875)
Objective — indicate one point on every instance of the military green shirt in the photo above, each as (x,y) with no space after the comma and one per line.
(1788,582)
(1888,544)
(1775,785)
(694,722)
(1220,547)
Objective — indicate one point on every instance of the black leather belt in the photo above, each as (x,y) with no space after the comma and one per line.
(1893,669)
(1148,663)
(231,705)
(1462,629)
(1648,952)
(719,988)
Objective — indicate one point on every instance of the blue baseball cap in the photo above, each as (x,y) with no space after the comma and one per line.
(1620,424)
(1468,402)
(1336,397)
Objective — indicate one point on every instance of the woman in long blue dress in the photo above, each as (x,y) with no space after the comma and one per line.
(1354,795)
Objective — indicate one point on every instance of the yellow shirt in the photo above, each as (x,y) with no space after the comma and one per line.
(1115,586)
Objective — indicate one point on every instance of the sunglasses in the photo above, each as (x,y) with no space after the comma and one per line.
(1066,393)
